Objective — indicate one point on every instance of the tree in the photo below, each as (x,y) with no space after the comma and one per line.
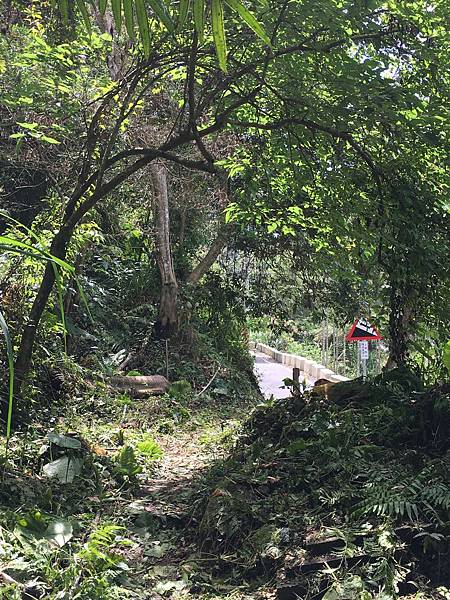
(337,55)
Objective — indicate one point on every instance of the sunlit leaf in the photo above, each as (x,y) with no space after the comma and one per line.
(219,33)
(31,126)
(251,21)
(59,532)
(10,356)
(199,19)
(8,242)
(49,140)
(65,469)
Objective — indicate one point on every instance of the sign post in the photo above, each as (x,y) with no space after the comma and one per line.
(362,332)
(363,347)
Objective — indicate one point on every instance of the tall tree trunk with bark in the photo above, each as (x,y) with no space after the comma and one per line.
(400,323)
(167,322)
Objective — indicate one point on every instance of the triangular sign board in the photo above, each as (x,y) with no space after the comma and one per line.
(362,330)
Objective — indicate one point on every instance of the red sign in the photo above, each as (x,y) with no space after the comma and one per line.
(362,330)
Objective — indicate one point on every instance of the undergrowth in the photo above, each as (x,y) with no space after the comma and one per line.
(77,506)
(368,465)
(345,496)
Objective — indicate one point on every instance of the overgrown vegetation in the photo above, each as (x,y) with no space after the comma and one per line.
(342,496)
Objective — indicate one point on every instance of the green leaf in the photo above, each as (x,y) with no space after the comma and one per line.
(117,13)
(296,447)
(59,289)
(84,14)
(11,243)
(126,463)
(446,356)
(10,356)
(30,126)
(49,140)
(129,21)
(150,448)
(199,19)
(219,33)
(183,12)
(63,441)
(84,299)
(102,6)
(251,21)
(160,11)
(64,9)
(144,31)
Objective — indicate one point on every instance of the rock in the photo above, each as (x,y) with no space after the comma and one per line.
(319,564)
(292,591)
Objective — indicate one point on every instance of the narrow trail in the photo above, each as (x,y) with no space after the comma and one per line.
(170,497)
(185,457)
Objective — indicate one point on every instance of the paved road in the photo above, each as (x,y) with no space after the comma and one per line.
(270,375)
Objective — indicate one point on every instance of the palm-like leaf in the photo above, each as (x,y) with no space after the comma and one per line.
(138,12)
(116,6)
(250,19)
(144,30)
(35,251)
(218,28)
(10,356)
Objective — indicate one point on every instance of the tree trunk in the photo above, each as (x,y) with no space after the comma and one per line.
(167,322)
(210,257)
(24,354)
(400,323)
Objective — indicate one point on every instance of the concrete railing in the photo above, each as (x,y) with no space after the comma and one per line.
(310,369)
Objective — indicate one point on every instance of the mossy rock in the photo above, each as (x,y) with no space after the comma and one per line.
(402,377)
(344,392)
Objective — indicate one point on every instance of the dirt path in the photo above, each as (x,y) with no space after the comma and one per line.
(170,491)
(172,499)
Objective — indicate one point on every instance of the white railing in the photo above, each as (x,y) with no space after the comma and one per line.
(309,368)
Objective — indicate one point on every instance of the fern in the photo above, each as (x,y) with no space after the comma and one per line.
(97,551)
(126,463)
(406,497)
(151,449)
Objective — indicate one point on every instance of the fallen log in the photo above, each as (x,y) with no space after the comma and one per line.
(140,385)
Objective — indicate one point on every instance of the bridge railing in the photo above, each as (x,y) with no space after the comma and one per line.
(310,369)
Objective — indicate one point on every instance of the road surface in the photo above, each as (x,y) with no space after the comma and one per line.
(270,375)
